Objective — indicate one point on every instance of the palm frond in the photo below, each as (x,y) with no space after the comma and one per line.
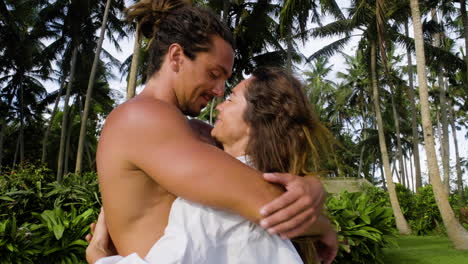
(337,28)
(330,49)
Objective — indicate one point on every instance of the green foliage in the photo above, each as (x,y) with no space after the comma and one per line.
(17,242)
(23,191)
(406,200)
(62,235)
(425,217)
(42,221)
(56,238)
(364,224)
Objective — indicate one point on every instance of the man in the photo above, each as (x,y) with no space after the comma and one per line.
(148,153)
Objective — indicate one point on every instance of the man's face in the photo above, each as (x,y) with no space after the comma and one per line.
(230,125)
(204,78)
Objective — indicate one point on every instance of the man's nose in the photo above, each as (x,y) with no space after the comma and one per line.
(218,90)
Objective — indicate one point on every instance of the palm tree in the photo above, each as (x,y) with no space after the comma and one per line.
(400,220)
(438,39)
(372,21)
(61,156)
(73,25)
(79,155)
(457,155)
(21,62)
(414,120)
(455,231)
(394,81)
(464,17)
(132,78)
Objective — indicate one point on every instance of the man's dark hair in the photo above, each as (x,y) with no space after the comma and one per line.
(165,22)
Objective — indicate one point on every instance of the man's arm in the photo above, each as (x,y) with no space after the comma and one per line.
(166,149)
(295,212)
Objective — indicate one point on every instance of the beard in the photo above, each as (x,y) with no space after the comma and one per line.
(188,111)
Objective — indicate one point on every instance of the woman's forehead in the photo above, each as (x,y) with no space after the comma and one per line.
(240,87)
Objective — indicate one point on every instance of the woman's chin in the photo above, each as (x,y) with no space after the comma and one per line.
(216,133)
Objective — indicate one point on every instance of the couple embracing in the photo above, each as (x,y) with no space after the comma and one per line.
(180,191)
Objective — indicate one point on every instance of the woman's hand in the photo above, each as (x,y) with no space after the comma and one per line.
(293,213)
(100,243)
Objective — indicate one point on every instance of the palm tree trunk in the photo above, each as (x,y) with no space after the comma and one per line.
(290,48)
(373,173)
(445,148)
(45,140)
(414,119)
(2,133)
(444,141)
(412,174)
(69,130)
(364,136)
(84,120)
(405,172)
(395,172)
(361,157)
(464,17)
(457,234)
(16,150)
(399,148)
(131,88)
(400,220)
(21,124)
(382,175)
(408,183)
(65,115)
(457,155)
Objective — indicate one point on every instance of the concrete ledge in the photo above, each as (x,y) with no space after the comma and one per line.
(338,185)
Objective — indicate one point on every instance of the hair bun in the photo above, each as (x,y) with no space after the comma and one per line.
(149,13)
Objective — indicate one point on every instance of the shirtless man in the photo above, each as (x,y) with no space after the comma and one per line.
(148,153)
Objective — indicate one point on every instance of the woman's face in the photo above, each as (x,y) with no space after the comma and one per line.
(230,126)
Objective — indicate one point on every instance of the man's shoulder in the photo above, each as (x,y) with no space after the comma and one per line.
(144,113)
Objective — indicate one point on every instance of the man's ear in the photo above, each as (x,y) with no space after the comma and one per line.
(175,56)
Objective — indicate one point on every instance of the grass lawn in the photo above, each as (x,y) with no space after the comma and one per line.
(424,250)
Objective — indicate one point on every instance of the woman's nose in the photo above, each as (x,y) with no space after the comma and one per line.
(220,107)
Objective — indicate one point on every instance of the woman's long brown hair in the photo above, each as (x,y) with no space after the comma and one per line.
(285,135)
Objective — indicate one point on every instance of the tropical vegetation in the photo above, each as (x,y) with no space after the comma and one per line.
(397,108)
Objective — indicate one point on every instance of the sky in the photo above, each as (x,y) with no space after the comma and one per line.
(311,46)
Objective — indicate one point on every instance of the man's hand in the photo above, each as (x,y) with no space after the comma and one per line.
(327,246)
(294,212)
(100,243)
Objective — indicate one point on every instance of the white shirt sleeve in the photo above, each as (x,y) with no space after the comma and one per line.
(130,259)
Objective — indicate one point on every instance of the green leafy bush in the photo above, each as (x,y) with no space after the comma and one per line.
(425,218)
(42,221)
(406,199)
(23,192)
(364,223)
(56,238)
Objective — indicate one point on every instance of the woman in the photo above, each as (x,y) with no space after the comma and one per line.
(266,123)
